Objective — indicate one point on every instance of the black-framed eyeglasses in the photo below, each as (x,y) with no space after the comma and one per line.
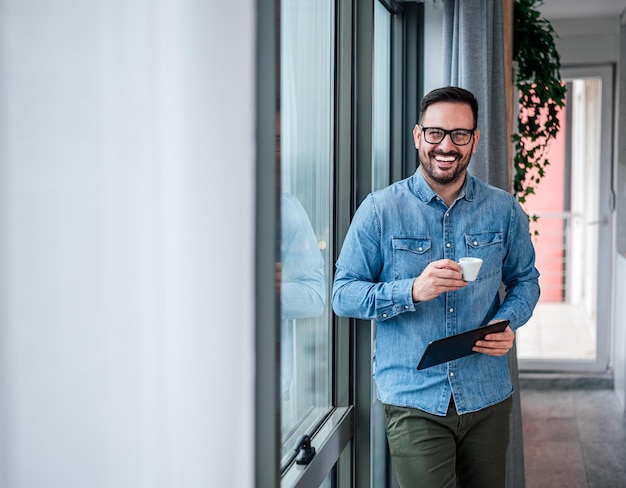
(459,137)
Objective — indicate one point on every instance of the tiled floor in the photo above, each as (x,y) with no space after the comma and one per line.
(573,439)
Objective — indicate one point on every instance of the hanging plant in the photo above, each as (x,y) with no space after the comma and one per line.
(541,95)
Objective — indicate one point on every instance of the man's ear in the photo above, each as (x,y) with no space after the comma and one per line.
(417,133)
(476,138)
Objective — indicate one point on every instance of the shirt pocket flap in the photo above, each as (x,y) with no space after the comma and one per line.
(417,245)
(483,239)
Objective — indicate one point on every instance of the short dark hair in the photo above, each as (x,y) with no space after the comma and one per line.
(450,94)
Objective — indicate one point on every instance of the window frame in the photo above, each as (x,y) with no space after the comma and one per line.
(336,431)
(343,442)
(267,313)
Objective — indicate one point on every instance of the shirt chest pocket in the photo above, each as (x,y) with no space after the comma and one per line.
(410,256)
(489,247)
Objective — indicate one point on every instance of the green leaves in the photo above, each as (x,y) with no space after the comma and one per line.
(541,95)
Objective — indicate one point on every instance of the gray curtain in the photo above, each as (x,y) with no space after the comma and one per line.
(474,43)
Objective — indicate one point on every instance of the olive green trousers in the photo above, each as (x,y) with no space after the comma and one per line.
(467,451)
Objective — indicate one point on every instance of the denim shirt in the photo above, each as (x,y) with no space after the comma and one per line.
(394,235)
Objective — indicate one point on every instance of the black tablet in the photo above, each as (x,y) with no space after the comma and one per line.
(457,346)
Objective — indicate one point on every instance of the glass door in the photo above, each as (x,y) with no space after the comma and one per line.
(570,328)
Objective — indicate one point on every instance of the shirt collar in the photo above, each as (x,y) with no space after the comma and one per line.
(426,193)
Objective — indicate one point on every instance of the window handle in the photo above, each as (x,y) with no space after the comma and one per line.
(305,450)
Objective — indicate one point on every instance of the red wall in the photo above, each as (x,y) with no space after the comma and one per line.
(549,197)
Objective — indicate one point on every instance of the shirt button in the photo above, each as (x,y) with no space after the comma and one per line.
(447,214)
(406,307)
(451,310)
(384,315)
(448,245)
(451,373)
(420,249)
(475,243)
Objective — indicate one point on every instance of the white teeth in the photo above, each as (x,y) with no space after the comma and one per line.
(444,159)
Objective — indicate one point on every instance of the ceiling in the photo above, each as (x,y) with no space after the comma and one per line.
(568,9)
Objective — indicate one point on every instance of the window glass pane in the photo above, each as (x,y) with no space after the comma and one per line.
(381,95)
(306,156)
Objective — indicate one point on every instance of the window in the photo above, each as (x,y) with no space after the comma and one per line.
(324,155)
(381,97)
(307,98)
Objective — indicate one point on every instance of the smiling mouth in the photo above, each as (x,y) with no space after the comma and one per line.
(445,161)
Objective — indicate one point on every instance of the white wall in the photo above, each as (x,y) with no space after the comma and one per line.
(620,330)
(620,183)
(585,41)
(126,243)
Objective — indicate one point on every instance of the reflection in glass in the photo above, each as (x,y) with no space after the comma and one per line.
(302,284)
(306,161)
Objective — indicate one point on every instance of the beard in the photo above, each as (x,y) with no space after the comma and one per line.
(447,174)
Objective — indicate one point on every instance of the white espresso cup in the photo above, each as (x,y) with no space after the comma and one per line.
(470,267)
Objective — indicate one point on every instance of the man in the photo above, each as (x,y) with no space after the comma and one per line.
(398,266)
